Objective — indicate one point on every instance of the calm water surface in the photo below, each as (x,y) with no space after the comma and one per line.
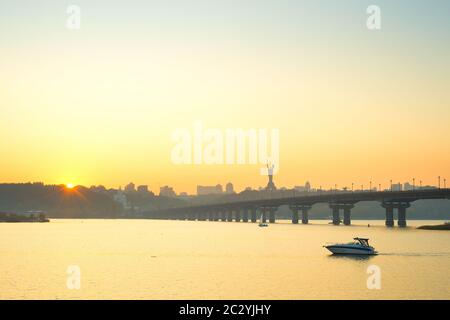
(145,259)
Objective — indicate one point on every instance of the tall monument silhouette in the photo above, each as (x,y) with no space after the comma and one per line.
(270,184)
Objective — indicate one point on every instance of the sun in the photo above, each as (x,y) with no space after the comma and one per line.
(70,186)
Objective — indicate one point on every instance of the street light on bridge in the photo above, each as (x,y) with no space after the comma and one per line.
(391,184)
(414,183)
(439,182)
(352,186)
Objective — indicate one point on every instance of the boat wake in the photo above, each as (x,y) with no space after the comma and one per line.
(432,254)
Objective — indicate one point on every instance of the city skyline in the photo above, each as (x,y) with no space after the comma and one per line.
(230,189)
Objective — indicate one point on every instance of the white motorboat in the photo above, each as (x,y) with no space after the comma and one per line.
(360,247)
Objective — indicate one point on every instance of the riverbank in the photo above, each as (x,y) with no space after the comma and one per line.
(445,226)
(14,218)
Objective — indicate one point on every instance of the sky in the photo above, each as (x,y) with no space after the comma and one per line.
(99,105)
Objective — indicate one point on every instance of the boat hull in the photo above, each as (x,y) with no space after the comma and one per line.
(342,249)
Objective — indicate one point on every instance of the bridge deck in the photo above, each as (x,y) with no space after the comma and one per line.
(339,197)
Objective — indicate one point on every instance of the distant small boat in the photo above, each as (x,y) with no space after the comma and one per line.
(261,223)
(360,247)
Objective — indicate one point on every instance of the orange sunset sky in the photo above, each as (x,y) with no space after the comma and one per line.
(99,105)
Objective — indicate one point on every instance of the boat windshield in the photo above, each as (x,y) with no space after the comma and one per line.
(364,242)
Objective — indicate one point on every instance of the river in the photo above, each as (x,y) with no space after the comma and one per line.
(150,259)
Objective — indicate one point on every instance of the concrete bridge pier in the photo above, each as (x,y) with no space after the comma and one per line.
(229,215)
(389,214)
(402,214)
(347,214)
(191,216)
(305,210)
(336,218)
(202,216)
(223,215)
(253,215)
(245,215)
(272,211)
(237,214)
(295,216)
(294,210)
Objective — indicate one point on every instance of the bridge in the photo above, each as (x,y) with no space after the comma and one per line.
(249,210)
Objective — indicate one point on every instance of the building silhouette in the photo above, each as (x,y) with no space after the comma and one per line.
(205,190)
(130,188)
(167,191)
(229,188)
(142,189)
